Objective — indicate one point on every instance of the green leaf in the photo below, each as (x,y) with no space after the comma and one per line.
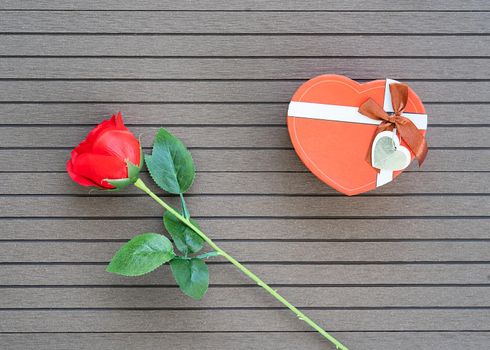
(170,163)
(142,254)
(191,275)
(119,184)
(134,169)
(186,240)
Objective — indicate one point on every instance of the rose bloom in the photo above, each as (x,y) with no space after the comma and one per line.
(104,154)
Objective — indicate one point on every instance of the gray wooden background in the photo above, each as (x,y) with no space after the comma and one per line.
(404,267)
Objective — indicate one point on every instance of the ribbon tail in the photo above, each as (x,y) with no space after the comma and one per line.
(414,139)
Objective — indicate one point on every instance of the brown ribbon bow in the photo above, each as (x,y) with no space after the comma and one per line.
(407,129)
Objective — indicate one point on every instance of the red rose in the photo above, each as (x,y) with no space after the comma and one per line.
(109,152)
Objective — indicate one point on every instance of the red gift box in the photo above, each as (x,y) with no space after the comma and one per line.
(333,138)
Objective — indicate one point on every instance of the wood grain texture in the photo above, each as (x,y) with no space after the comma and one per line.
(242,68)
(255,160)
(245,5)
(209,91)
(246,45)
(244,297)
(243,23)
(71,252)
(387,274)
(403,267)
(247,341)
(165,114)
(223,137)
(240,320)
(250,206)
(253,228)
(258,183)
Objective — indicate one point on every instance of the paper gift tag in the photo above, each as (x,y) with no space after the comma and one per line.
(333,139)
(387,154)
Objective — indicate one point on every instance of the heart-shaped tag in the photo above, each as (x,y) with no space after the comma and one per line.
(387,154)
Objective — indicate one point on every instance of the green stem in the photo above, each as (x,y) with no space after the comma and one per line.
(140,184)
(184,207)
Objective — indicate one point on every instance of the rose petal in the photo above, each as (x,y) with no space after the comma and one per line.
(119,143)
(115,122)
(118,121)
(77,178)
(97,168)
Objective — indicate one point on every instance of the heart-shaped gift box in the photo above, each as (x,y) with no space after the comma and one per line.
(334,140)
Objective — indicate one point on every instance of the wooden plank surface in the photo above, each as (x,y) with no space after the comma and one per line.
(402,267)
(306,229)
(254,183)
(278,274)
(239,297)
(242,68)
(225,136)
(187,114)
(251,160)
(68,252)
(246,341)
(208,91)
(250,206)
(235,23)
(246,5)
(240,320)
(141,45)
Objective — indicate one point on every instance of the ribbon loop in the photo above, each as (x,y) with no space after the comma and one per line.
(407,129)
(399,97)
